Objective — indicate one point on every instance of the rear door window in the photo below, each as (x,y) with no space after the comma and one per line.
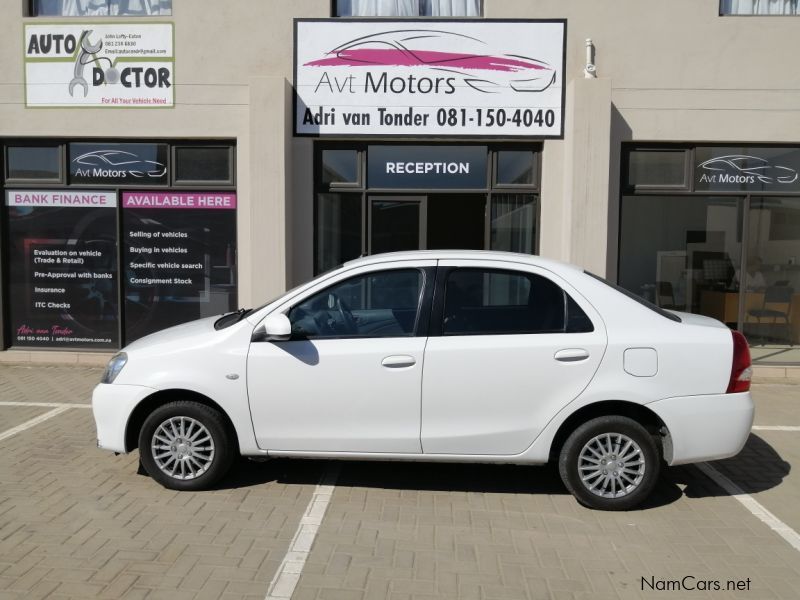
(496,302)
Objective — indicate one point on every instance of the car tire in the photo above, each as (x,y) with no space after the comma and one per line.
(610,463)
(186,445)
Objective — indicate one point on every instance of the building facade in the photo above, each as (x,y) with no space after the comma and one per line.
(164,161)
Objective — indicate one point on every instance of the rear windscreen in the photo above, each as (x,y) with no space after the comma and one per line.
(639,299)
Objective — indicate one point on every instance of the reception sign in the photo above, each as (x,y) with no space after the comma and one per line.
(118,65)
(444,78)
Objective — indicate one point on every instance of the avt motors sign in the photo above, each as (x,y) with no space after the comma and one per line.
(443,78)
(96,64)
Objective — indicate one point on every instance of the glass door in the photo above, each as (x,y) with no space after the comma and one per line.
(396,223)
(771,303)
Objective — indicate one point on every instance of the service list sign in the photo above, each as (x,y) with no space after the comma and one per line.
(443,78)
(63,268)
(115,65)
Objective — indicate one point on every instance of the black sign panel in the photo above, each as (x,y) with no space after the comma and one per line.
(179,258)
(427,167)
(131,164)
(62,250)
(747,169)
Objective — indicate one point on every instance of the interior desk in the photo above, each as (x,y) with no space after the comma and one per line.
(724,306)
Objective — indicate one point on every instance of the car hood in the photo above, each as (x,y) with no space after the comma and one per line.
(179,334)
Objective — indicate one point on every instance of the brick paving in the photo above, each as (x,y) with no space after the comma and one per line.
(76,522)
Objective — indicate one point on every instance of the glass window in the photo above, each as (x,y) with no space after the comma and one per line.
(101,8)
(512,227)
(33,162)
(759,7)
(338,230)
(577,320)
(683,252)
(516,167)
(487,302)
(107,163)
(339,166)
(407,8)
(203,164)
(657,168)
(382,304)
(772,279)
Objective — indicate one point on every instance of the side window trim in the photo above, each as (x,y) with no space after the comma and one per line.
(421,319)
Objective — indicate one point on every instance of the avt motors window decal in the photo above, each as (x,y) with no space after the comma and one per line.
(453,78)
(96,64)
(747,168)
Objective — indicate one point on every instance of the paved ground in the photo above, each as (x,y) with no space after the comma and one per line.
(76,522)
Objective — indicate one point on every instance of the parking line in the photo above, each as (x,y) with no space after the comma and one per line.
(35,421)
(288,574)
(751,504)
(776,428)
(47,404)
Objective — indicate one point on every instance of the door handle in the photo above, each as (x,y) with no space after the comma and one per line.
(571,355)
(398,362)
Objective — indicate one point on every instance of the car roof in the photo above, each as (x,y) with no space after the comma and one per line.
(546,263)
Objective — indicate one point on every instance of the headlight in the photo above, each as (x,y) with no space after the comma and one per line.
(113,367)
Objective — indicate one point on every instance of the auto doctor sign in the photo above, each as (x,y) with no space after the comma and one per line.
(99,65)
(443,78)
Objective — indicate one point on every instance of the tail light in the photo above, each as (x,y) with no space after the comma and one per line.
(741,371)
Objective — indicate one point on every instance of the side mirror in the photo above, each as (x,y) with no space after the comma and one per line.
(275,328)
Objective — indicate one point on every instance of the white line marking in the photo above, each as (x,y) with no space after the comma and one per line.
(288,574)
(47,404)
(35,421)
(751,504)
(776,427)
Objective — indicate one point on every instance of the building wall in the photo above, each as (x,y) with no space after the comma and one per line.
(667,71)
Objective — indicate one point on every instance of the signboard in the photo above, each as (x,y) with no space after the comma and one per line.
(766,169)
(179,258)
(427,167)
(99,64)
(466,77)
(105,164)
(63,268)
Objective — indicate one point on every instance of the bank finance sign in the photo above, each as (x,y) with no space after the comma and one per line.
(440,78)
(116,65)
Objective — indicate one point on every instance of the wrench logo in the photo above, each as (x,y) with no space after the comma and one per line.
(86,55)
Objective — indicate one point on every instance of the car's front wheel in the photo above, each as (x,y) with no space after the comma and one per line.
(185,445)
(610,463)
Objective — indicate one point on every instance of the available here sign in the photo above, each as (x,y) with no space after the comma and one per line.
(443,78)
(116,65)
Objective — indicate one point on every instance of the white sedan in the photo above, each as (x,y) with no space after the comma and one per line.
(437,356)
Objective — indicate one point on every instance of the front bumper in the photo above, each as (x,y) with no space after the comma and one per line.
(112,405)
(704,427)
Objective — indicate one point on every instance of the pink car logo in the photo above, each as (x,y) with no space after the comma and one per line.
(435,50)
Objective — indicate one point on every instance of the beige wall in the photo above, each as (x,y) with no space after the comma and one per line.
(669,71)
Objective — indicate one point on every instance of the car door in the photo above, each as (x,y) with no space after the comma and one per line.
(509,346)
(350,378)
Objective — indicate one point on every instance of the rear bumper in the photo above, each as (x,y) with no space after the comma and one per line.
(112,405)
(704,427)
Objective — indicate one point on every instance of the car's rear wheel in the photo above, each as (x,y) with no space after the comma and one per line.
(610,463)
(185,445)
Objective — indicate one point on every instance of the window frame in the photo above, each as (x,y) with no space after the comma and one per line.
(201,183)
(424,301)
(62,163)
(480,15)
(30,10)
(688,155)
